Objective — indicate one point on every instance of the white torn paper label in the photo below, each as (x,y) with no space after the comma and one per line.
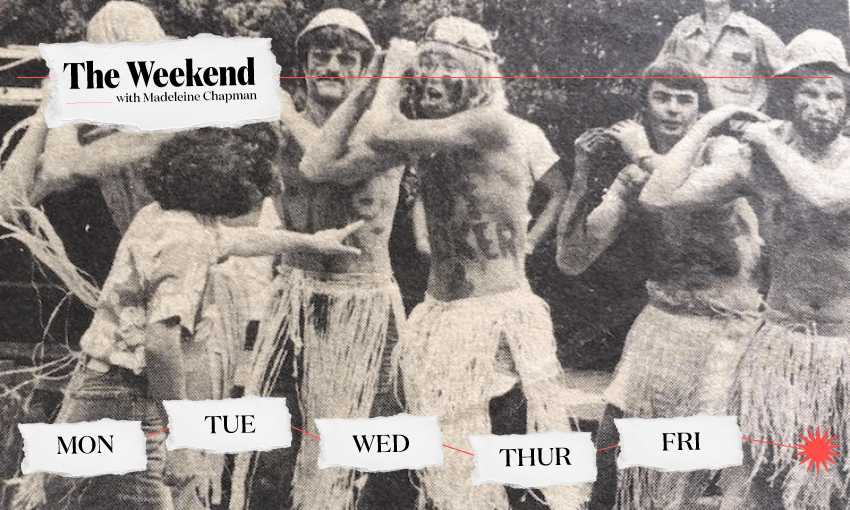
(388,443)
(230,425)
(165,85)
(94,448)
(534,460)
(680,444)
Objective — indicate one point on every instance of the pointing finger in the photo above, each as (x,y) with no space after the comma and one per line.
(351,228)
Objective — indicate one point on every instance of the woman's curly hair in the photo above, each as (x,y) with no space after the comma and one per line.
(215,171)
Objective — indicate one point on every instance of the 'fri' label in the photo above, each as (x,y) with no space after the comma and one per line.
(680,444)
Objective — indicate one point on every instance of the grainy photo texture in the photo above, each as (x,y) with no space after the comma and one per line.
(517,216)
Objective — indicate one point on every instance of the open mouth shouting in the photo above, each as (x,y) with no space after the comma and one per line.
(433,94)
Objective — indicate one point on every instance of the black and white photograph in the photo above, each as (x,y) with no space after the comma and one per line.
(516,216)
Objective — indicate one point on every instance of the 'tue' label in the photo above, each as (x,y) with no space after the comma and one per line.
(680,444)
(230,425)
(389,443)
(85,448)
(534,460)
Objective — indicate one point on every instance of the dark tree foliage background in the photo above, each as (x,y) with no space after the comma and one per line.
(592,38)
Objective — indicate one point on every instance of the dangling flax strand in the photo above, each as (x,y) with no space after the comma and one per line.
(791,380)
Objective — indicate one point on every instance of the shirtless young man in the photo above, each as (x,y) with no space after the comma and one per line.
(793,375)
(480,329)
(681,350)
(341,312)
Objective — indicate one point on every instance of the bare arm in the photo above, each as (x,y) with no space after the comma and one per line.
(827,191)
(304,131)
(339,153)
(19,172)
(324,153)
(554,182)
(573,256)
(420,227)
(64,157)
(673,169)
(570,218)
(587,241)
(725,176)
(258,242)
(481,127)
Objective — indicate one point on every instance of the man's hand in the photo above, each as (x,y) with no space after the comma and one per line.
(195,471)
(330,241)
(384,113)
(736,115)
(365,87)
(634,177)
(589,143)
(632,137)
(759,134)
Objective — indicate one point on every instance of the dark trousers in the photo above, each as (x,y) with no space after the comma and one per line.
(120,395)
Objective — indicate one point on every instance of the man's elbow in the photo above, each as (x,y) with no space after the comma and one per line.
(570,263)
(652,202)
(828,203)
(312,170)
(655,199)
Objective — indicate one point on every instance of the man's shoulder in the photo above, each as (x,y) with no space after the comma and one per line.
(524,132)
(686,25)
(844,147)
(756,27)
(524,125)
(745,21)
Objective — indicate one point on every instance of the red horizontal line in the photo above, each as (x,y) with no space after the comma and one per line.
(768,442)
(607,448)
(558,77)
(309,434)
(447,446)
(155,433)
(578,77)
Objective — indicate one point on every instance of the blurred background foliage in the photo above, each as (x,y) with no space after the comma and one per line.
(590,38)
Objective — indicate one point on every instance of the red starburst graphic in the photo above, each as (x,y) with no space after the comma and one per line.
(817,449)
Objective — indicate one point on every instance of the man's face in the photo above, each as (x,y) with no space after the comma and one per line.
(442,87)
(670,112)
(820,105)
(329,65)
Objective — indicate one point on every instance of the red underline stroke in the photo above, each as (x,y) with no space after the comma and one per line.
(309,434)
(447,446)
(768,442)
(155,433)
